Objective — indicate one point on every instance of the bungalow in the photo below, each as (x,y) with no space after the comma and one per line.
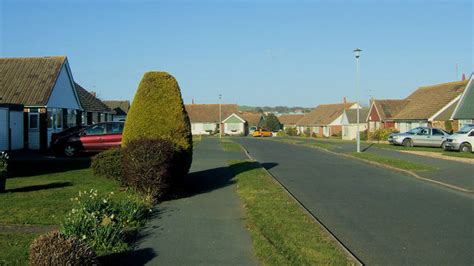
(94,110)
(290,120)
(381,113)
(45,86)
(234,125)
(464,111)
(120,109)
(349,123)
(430,106)
(205,117)
(324,120)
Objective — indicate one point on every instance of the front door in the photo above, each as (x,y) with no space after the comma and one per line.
(33,131)
(55,122)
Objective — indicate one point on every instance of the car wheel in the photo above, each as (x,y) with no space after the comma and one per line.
(70,150)
(407,143)
(443,145)
(465,147)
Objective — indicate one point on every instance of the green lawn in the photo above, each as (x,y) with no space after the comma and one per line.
(427,149)
(42,200)
(398,163)
(281,232)
(14,248)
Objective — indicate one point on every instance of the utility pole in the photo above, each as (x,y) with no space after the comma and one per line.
(357,55)
(220,116)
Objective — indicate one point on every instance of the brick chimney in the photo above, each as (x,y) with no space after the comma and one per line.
(344,100)
(463,76)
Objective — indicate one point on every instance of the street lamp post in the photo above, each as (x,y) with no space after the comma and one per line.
(220,116)
(357,55)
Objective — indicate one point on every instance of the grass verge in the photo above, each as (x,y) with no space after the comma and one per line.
(397,163)
(229,145)
(427,149)
(281,232)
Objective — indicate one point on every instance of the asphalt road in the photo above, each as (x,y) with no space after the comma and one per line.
(383,217)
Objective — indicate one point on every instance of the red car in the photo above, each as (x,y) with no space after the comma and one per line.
(94,138)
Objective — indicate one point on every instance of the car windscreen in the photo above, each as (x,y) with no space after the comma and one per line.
(413,131)
(465,129)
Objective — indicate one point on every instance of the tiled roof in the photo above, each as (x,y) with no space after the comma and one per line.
(209,113)
(89,102)
(387,109)
(252,119)
(120,107)
(352,115)
(29,80)
(323,114)
(426,101)
(290,119)
(465,110)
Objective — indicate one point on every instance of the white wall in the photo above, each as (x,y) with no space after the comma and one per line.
(200,128)
(234,128)
(63,95)
(349,132)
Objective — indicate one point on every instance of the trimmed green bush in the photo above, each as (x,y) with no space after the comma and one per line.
(381,134)
(150,167)
(158,112)
(55,248)
(108,164)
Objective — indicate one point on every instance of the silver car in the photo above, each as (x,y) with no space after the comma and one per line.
(420,136)
(463,140)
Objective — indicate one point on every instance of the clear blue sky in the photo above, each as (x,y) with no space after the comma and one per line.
(295,53)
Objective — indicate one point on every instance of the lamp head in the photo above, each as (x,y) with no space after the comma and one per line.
(357,52)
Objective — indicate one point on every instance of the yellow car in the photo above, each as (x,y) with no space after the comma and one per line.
(262,133)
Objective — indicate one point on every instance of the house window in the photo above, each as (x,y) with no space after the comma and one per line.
(71,117)
(233,127)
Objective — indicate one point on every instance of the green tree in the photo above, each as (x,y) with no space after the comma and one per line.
(158,112)
(272,123)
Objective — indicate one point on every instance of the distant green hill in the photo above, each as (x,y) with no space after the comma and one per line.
(278,109)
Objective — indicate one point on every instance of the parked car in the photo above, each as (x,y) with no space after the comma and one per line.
(94,138)
(463,140)
(420,136)
(252,129)
(262,133)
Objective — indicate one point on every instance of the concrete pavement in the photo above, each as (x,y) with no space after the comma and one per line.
(205,228)
(383,217)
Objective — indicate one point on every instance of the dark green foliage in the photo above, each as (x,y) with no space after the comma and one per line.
(448,125)
(272,123)
(108,164)
(55,248)
(363,135)
(380,134)
(150,166)
(158,112)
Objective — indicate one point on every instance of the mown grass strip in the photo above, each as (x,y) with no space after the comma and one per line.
(281,232)
(229,145)
(394,162)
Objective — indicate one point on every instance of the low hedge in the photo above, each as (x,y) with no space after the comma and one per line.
(109,164)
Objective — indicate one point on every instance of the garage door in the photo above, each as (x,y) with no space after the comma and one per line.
(4,129)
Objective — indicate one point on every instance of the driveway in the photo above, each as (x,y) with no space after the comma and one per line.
(383,217)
